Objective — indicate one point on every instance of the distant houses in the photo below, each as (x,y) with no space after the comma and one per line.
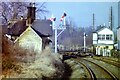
(103,40)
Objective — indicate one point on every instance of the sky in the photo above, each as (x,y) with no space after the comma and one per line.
(81,12)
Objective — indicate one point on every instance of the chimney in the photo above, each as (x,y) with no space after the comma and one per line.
(31,13)
(110,19)
(93,27)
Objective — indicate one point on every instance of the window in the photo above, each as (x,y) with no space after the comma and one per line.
(108,37)
(101,37)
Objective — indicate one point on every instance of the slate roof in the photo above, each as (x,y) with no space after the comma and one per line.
(17,28)
(41,27)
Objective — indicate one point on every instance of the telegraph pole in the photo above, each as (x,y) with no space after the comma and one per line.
(85,42)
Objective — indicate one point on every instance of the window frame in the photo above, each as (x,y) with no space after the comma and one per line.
(109,37)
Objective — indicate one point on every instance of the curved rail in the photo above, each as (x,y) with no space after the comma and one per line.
(91,73)
(110,61)
(108,72)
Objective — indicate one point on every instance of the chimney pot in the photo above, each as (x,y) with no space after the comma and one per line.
(31,12)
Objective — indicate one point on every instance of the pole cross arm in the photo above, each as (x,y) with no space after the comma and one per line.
(60,33)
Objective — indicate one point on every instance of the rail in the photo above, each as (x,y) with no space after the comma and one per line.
(108,72)
(110,61)
(91,73)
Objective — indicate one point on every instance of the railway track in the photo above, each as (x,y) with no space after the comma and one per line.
(108,58)
(99,71)
(89,74)
(110,61)
(94,71)
(113,69)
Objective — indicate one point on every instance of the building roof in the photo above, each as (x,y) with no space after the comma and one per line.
(100,28)
(17,28)
(29,31)
(42,27)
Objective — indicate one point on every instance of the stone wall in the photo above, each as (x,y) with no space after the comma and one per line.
(30,44)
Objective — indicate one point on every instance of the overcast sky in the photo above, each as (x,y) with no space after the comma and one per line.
(81,12)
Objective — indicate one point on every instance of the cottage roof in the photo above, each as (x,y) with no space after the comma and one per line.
(12,22)
(17,27)
(42,27)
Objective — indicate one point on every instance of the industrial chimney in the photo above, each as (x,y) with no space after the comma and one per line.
(110,19)
(93,27)
(31,13)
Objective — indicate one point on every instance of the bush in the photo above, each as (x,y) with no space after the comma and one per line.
(8,60)
(46,64)
(115,53)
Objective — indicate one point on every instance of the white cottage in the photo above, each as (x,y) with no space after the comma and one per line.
(103,39)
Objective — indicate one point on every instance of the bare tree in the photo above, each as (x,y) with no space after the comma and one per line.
(73,35)
(13,10)
(41,9)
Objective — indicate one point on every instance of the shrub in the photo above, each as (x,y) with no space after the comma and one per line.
(8,60)
(115,53)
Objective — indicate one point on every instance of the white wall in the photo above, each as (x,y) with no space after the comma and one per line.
(105,42)
(94,38)
(105,31)
(94,42)
(119,44)
(118,34)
